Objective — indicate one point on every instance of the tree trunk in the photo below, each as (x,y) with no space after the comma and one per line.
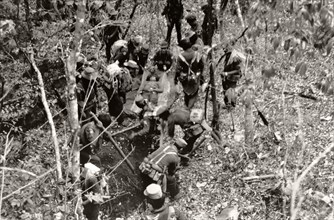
(118,4)
(27,9)
(71,64)
(130,18)
(239,14)
(38,4)
(49,116)
(215,109)
(221,8)
(249,126)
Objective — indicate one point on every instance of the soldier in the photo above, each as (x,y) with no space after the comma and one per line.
(92,185)
(142,58)
(111,34)
(157,207)
(117,82)
(163,58)
(189,72)
(196,42)
(192,123)
(120,52)
(134,47)
(174,14)
(161,165)
(87,94)
(231,75)
(91,140)
(194,26)
(209,25)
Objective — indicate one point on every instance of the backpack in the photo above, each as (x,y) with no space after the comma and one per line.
(190,79)
(162,216)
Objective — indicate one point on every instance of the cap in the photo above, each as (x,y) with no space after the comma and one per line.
(153,191)
(180,142)
(145,48)
(164,45)
(91,167)
(89,73)
(131,64)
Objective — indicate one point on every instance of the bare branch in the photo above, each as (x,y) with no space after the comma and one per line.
(49,116)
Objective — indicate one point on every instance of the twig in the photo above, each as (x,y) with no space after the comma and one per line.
(259,177)
(27,185)
(49,116)
(18,170)
(7,148)
(296,184)
(114,143)
(125,130)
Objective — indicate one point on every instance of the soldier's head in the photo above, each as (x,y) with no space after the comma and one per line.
(136,40)
(89,73)
(164,45)
(196,115)
(145,50)
(155,197)
(191,19)
(105,119)
(185,44)
(90,170)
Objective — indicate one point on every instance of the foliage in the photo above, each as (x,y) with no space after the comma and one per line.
(289,51)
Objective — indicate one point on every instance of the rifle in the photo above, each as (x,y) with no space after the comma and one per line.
(113,141)
(233,42)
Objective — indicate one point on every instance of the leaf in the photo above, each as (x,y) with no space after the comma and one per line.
(329,47)
(276,43)
(291,6)
(200,185)
(323,15)
(238,136)
(328,118)
(228,214)
(298,67)
(302,70)
(268,73)
(287,44)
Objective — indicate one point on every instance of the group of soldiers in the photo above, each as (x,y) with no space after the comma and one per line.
(126,72)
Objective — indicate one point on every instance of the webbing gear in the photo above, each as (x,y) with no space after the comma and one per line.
(189,79)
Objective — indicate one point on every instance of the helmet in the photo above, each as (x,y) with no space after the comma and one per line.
(164,45)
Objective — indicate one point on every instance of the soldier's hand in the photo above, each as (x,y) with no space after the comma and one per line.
(204,86)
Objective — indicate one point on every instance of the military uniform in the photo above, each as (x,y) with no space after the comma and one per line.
(87,94)
(91,185)
(174,13)
(160,166)
(90,143)
(231,76)
(192,123)
(163,58)
(189,71)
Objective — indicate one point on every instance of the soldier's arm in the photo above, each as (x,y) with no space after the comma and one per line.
(180,215)
(178,70)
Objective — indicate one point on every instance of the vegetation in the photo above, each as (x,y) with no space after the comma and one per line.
(276,157)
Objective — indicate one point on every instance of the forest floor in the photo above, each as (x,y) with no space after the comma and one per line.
(299,129)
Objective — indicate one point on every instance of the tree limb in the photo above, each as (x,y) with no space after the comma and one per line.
(49,116)
(296,184)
